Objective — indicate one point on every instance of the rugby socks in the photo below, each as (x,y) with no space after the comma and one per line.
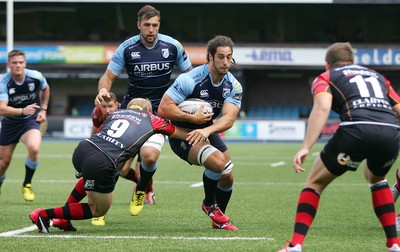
(149,187)
(307,207)
(222,196)
(210,182)
(72,211)
(383,203)
(30,168)
(132,176)
(146,175)
(78,193)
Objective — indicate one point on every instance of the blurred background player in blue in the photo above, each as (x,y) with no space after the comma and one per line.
(213,83)
(369,130)
(24,96)
(149,59)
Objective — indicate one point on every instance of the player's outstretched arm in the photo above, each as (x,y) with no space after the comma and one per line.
(105,84)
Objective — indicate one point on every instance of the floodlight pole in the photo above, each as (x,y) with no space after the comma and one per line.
(10,26)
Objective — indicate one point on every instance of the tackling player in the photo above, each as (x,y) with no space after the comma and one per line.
(100,158)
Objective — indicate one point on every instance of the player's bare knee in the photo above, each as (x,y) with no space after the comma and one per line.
(226,179)
(217,167)
(149,158)
(33,153)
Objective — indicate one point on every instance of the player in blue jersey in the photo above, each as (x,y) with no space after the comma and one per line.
(213,83)
(369,131)
(24,96)
(149,59)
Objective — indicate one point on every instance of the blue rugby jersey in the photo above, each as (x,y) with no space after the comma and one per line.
(19,95)
(197,83)
(149,69)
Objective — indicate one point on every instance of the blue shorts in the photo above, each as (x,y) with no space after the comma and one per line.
(12,130)
(182,148)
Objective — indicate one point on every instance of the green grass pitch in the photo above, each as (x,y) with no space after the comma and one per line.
(262,207)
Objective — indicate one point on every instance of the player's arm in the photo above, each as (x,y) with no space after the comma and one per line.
(170,110)
(165,127)
(6,110)
(94,130)
(44,98)
(394,97)
(96,120)
(180,133)
(44,102)
(316,121)
(229,114)
(105,84)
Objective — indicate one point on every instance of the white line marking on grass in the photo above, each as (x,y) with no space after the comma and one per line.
(280,163)
(148,237)
(197,184)
(19,231)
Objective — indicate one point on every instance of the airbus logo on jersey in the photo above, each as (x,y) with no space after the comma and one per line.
(21,98)
(141,69)
(135,55)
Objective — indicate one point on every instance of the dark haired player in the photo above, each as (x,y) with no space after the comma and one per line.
(213,83)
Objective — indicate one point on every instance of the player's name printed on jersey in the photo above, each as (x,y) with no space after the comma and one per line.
(116,115)
(111,140)
(191,106)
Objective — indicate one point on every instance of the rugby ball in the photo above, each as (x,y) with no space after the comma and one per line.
(191,106)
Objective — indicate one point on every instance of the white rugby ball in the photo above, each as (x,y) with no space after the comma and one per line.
(191,106)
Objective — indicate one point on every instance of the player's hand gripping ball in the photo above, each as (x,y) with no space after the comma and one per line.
(191,106)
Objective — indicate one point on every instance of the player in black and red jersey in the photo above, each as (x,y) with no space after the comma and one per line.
(369,130)
(99,114)
(100,157)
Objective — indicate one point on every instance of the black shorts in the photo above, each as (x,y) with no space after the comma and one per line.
(12,130)
(99,173)
(182,148)
(351,144)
